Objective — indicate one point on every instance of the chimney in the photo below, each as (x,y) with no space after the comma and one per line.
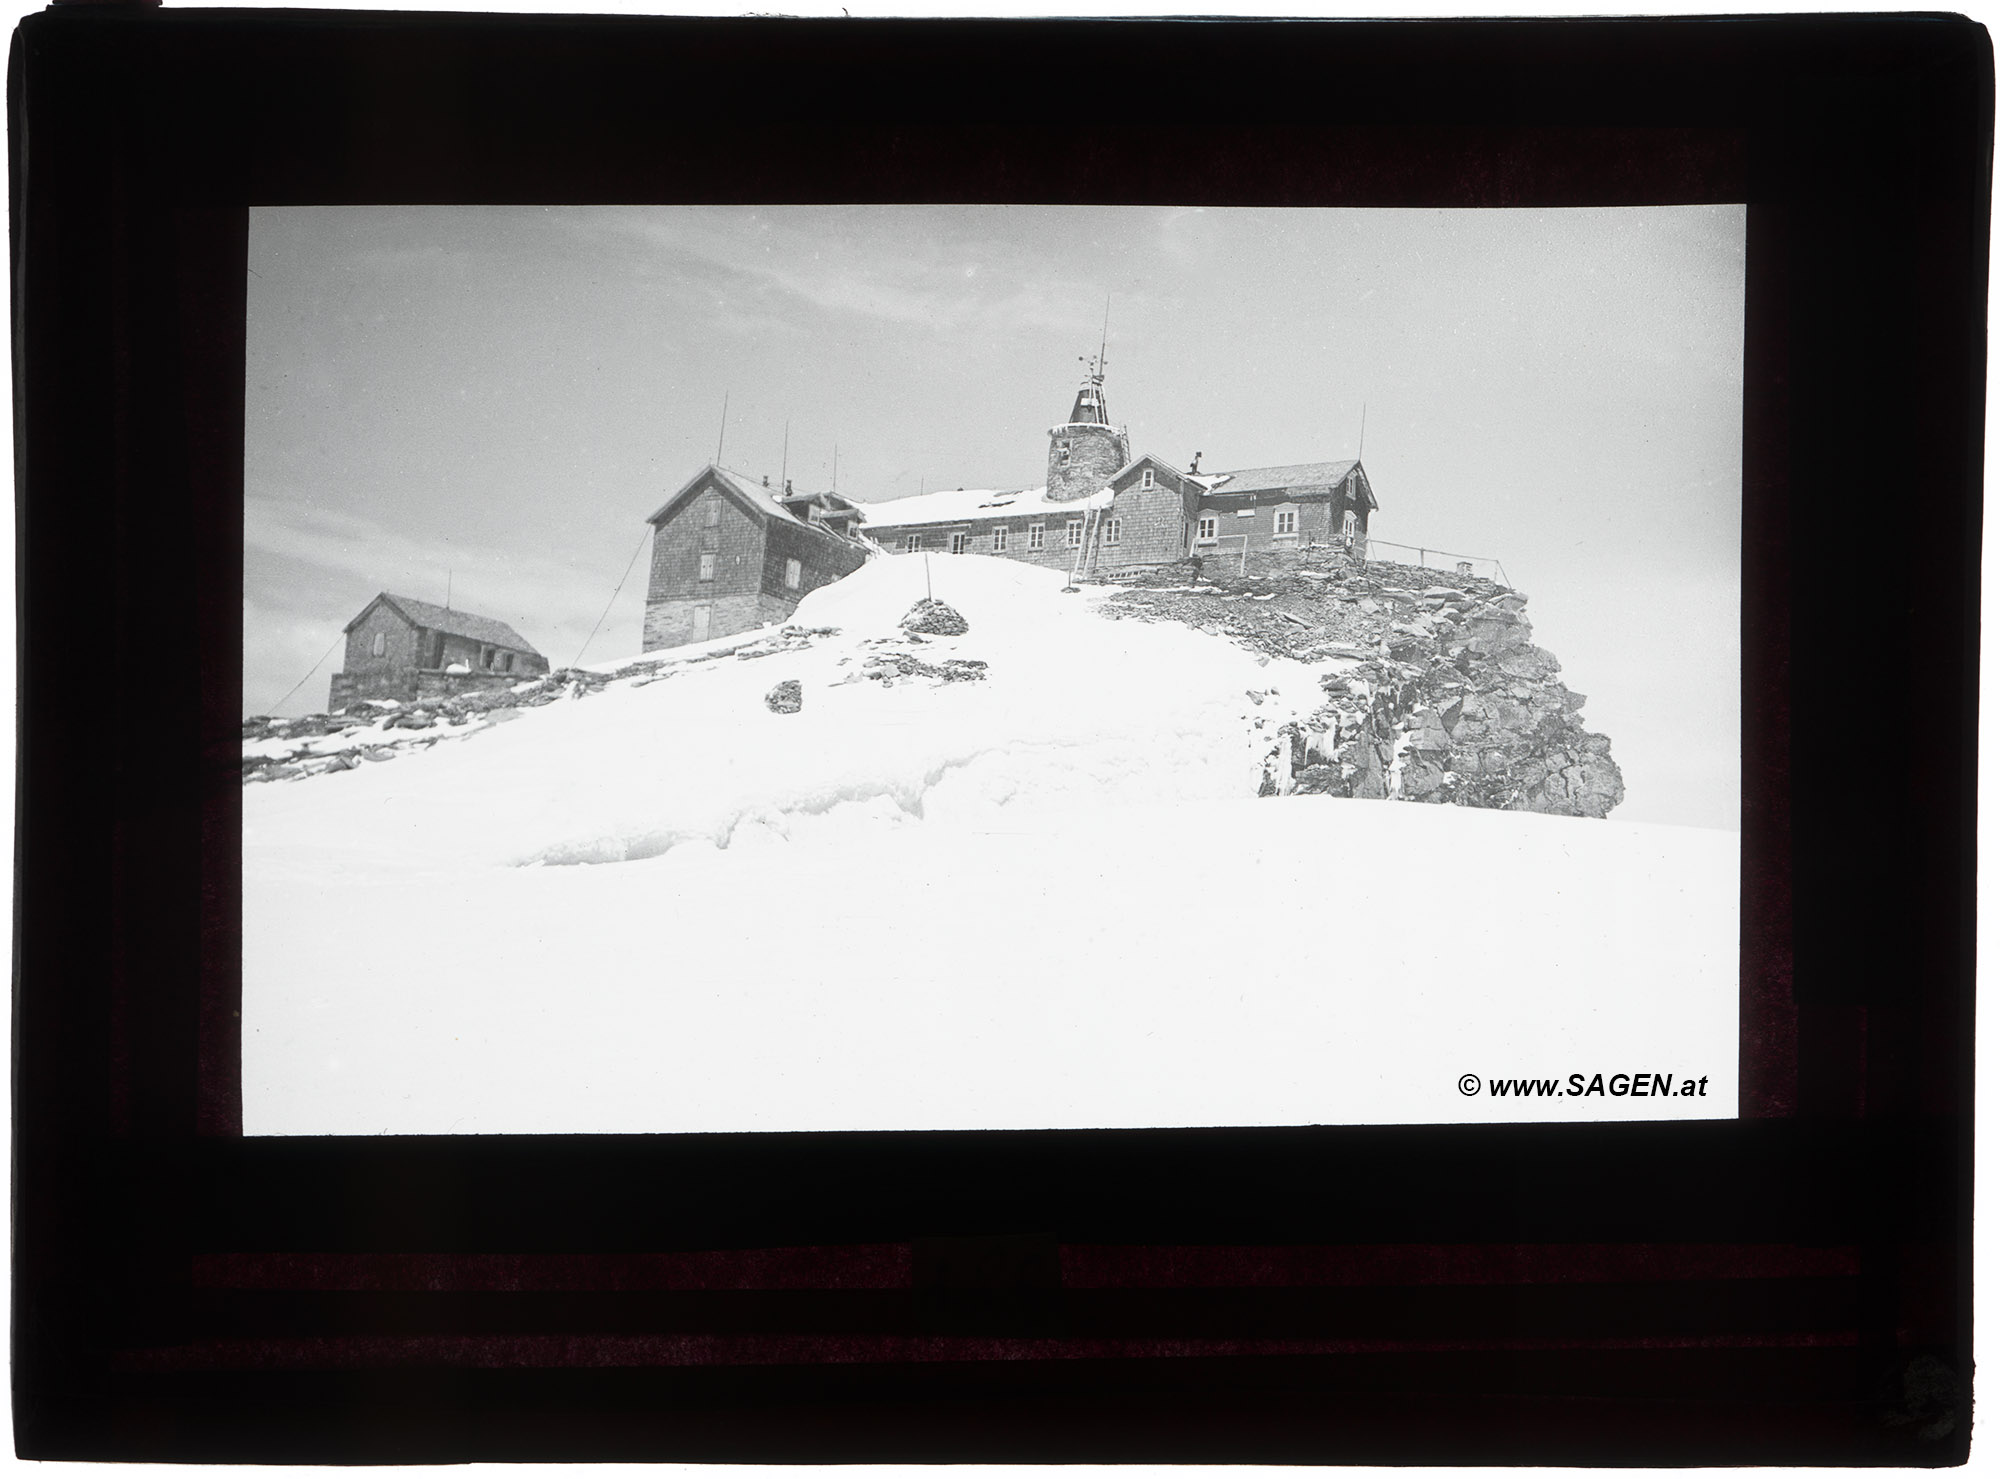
(1195,466)
(767,480)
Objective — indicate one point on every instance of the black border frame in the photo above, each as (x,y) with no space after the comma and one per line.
(1828,1320)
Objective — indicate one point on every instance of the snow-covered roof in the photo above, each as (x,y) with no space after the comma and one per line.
(1273,479)
(456,623)
(962,505)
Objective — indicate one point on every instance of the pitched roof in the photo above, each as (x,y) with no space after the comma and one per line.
(742,484)
(1160,462)
(1292,475)
(767,501)
(456,623)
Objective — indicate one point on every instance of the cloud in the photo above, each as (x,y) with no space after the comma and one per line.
(309,569)
(935,269)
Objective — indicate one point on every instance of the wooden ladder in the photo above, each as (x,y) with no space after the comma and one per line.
(1087,547)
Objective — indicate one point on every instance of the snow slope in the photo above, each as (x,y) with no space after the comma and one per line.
(1045,899)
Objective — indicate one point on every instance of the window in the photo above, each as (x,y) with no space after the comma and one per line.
(1000,540)
(707,571)
(1075,532)
(381,644)
(506,662)
(1204,529)
(912,543)
(486,658)
(1146,478)
(792,575)
(1034,536)
(1062,454)
(711,512)
(958,544)
(1349,526)
(1111,531)
(1285,521)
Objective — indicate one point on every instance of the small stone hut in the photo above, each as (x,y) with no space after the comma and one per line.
(404,649)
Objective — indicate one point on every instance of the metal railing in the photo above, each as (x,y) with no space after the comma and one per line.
(1458,564)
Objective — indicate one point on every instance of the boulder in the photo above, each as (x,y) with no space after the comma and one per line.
(785,698)
(1418,779)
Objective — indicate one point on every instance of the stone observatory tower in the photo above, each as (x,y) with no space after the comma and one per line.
(1086,449)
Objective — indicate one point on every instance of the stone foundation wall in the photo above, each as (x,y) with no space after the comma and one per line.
(670,623)
(409,686)
(353,688)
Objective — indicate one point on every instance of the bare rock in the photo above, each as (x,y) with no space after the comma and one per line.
(786,698)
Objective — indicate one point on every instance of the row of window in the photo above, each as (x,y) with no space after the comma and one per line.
(1037,537)
(1284,521)
(794,573)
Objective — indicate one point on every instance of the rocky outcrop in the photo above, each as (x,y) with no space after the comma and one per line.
(1435,692)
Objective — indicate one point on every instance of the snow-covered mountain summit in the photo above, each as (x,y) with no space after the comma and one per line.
(845,875)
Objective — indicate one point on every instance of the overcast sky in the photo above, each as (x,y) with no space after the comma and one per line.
(504,394)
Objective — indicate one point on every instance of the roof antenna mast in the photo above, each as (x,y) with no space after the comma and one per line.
(1364,431)
(1104,339)
(722,430)
(785,457)
(447,590)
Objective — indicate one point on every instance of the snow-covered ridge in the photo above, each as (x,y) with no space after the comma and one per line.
(1072,711)
(1014,877)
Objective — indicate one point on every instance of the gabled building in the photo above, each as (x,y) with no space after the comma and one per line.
(404,649)
(1103,510)
(1271,510)
(730,554)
